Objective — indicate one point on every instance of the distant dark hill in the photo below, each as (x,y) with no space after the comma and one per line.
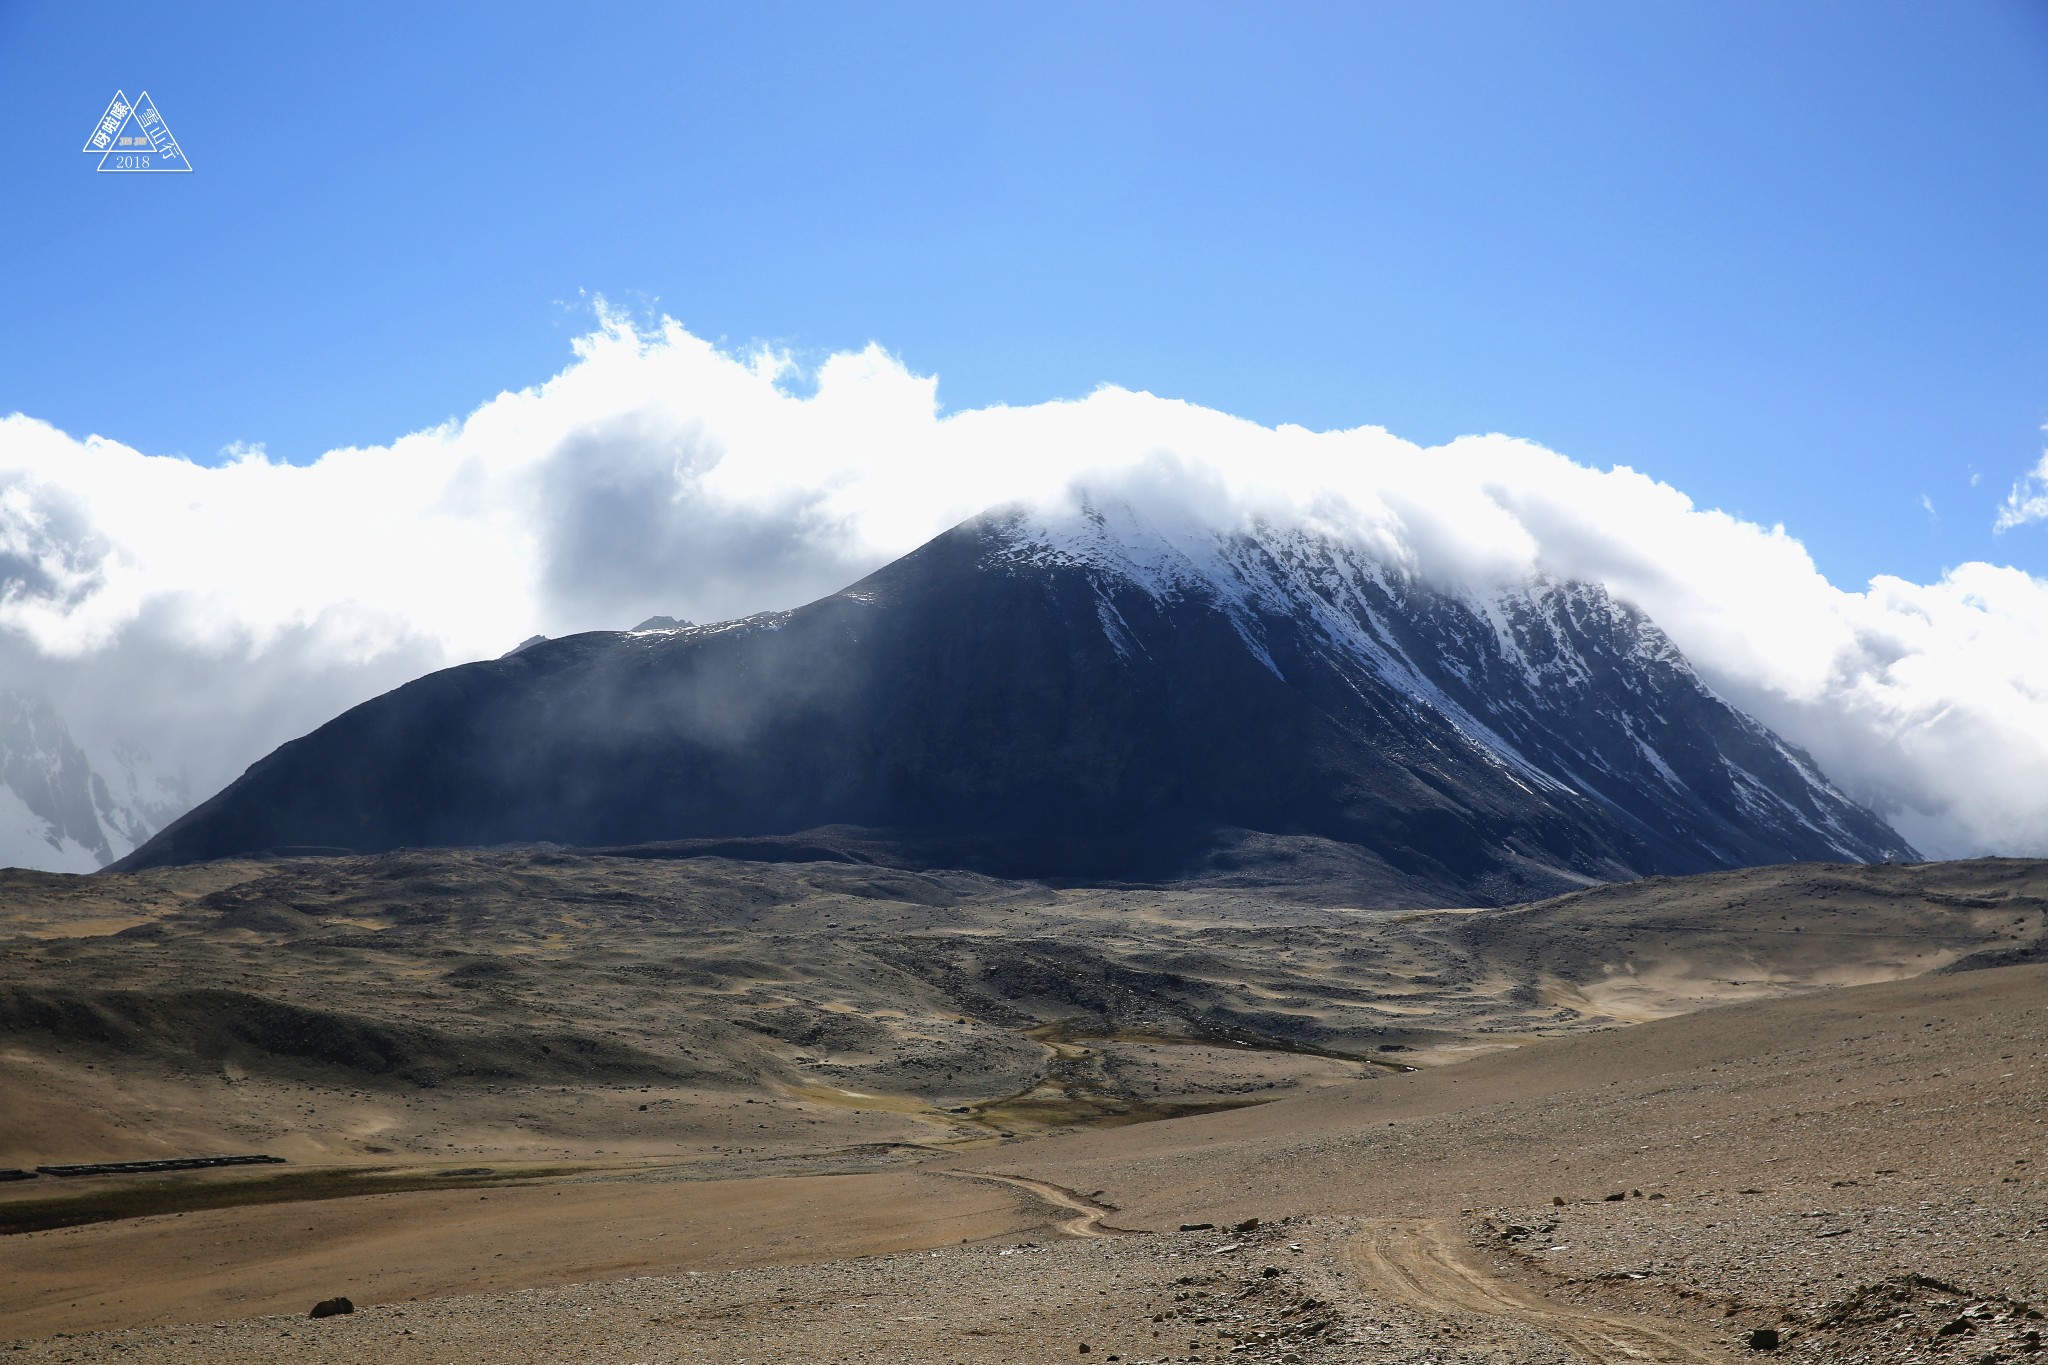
(1102,699)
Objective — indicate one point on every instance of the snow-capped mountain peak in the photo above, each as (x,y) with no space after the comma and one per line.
(1106,692)
(64,809)
(1561,683)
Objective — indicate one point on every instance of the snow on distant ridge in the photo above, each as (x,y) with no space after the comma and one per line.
(63,809)
(1503,658)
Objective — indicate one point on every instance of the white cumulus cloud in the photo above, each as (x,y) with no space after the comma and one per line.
(209,613)
(2028,500)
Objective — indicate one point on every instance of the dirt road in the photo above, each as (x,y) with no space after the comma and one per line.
(1424,1264)
(1087,1219)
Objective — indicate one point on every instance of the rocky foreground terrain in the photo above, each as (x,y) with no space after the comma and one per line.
(543,1105)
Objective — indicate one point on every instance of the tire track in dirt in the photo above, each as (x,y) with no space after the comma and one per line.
(1424,1264)
(1088,1215)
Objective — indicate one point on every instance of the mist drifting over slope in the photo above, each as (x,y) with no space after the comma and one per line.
(207,613)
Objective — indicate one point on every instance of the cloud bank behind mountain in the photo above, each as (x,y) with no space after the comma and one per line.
(206,613)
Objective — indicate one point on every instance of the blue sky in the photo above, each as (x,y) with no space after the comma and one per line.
(1787,257)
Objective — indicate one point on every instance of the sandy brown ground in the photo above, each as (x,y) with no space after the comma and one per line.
(1792,1157)
(1178,1296)
(1815,1149)
(391,1248)
(1910,1113)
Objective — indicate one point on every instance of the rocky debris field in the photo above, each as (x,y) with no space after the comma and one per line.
(1275,1295)
(1890,1269)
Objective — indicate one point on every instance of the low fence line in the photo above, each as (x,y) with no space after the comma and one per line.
(176,1163)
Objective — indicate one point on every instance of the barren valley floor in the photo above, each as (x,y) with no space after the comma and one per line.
(542,1105)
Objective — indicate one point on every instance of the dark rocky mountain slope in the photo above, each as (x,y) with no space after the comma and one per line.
(1100,696)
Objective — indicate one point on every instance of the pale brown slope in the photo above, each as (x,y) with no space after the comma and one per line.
(1937,1081)
(240,1262)
(1852,1168)
(1666,945)
(1939,1075)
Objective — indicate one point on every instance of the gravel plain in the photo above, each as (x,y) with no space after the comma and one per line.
(1276,1296)
(1766,1166)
